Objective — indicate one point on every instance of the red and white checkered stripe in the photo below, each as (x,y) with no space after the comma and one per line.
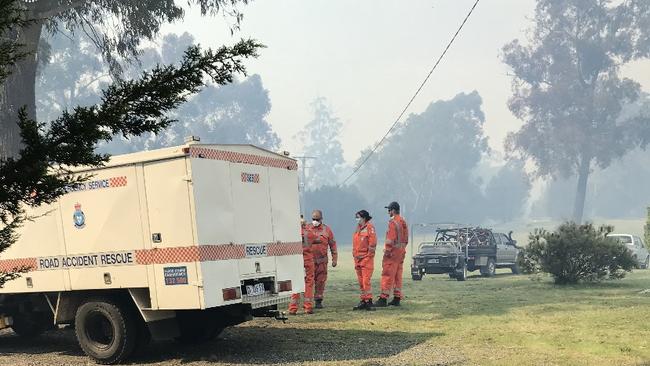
(8,265)
(221,252)
(280,249)
(202,253)
(167,255)
(236,157)
(117,182)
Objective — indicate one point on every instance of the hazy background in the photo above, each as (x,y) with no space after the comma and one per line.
(333,78)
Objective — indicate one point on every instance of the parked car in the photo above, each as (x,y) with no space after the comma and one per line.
(636,245)
(457,250)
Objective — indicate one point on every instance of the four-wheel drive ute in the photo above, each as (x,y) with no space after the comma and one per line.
(171,243)
(459,250)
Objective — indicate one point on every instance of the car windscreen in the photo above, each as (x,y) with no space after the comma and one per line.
(623,239)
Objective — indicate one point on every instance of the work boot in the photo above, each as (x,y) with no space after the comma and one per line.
(319,303)
(381,303)
(361,306)
(370,306)
(395,301)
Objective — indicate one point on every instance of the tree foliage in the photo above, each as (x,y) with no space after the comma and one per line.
(232,113)
(41,171)
(428,164)
(568,91)
(507,193)
(10,51)
(116,28)
(579,253)
(320,138)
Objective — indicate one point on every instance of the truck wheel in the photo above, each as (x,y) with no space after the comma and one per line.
(490,269)
(416,277)
(30,325)
(452,275)
(106,331)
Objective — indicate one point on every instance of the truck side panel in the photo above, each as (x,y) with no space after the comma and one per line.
(215,223)
(174,255)
(283,189)
(102,228)
(250,189)
(41,237)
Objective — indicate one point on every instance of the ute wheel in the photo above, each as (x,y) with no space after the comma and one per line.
(29,325)
(515,269)
(106,330)
(490,269)
(461,273)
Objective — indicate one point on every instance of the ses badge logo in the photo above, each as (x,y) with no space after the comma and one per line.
(79,218)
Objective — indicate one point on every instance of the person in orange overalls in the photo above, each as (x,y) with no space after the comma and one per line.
(393,261)
(310,271)
(322,239)
(364,242)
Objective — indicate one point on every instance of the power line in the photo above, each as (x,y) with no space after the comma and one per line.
(413,97)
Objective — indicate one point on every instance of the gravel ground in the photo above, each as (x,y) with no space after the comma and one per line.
(260,342)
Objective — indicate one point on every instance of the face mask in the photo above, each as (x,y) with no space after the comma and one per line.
(315,223)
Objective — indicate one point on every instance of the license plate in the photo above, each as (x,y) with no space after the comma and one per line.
(256,250)
(434,260)
(255,290)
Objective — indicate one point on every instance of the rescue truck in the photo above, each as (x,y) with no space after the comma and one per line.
(177,243)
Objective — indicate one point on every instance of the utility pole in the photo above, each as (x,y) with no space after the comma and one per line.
(303,181)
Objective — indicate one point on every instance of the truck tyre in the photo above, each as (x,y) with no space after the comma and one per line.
(490,269)
(29,325)
(452,275)
(106,330)
(416,277)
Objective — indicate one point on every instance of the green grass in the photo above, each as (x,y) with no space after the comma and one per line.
(512,320)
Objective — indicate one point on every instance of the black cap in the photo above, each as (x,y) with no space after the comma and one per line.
(393,206)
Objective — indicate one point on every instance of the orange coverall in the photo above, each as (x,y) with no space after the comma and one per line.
(322,239)
(364,242)
(393,261)
(310,270)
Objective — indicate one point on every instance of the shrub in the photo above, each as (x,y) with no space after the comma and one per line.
(575,253)
(525,263)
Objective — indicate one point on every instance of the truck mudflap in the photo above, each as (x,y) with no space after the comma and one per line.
(266,300)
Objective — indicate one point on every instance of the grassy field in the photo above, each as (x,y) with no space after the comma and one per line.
(505,320)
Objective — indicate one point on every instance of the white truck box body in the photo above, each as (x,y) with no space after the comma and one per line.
(185,223)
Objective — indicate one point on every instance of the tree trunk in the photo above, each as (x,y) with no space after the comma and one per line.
(581,189)
(19,90)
